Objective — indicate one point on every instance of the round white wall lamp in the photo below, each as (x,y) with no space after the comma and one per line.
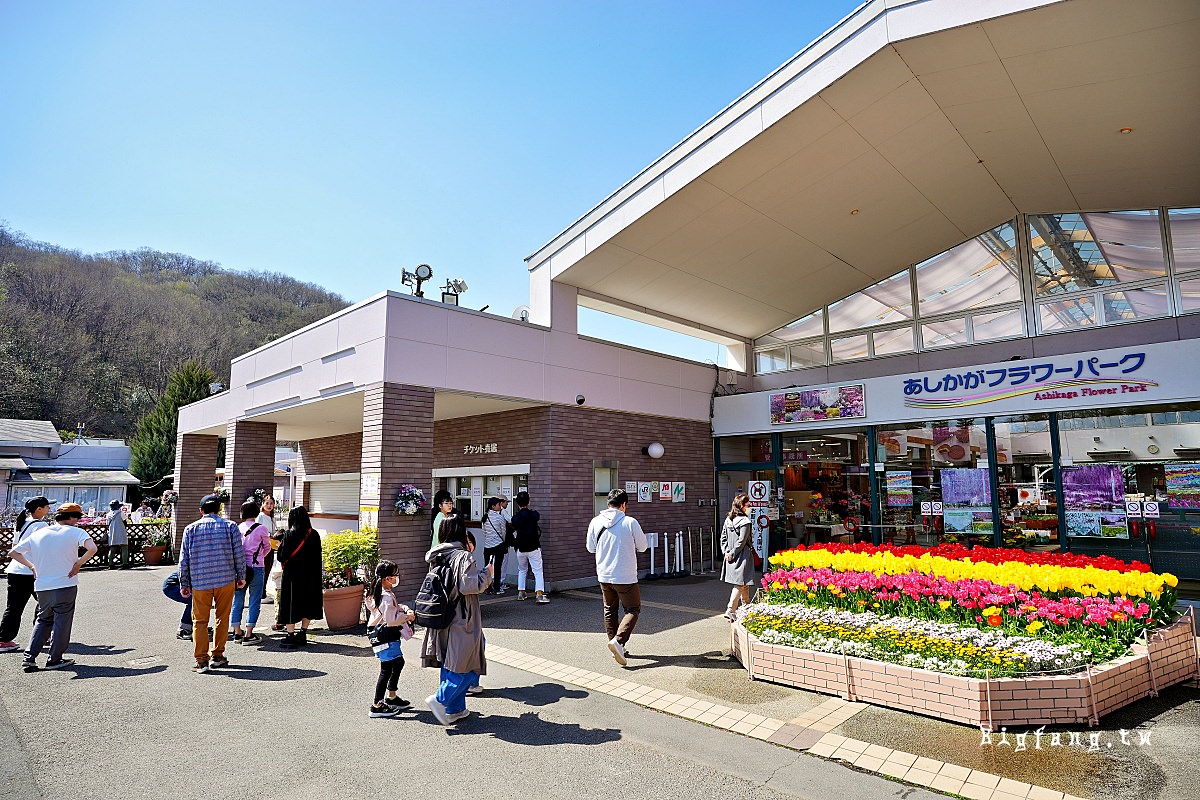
(654,450)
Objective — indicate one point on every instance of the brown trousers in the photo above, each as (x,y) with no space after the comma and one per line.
(629,596)
(203,601)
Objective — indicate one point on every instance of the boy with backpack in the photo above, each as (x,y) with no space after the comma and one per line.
(529,548)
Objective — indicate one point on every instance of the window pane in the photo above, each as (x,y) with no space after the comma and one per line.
(772,360)
(1134,304)
(1064,315)
(849,347)
(803,328)
(1076,251)
(808,354)
(1164,418)
(887,301)
(1189,295)
(980,272)
(998,325)
(897,341)
(1185,238)
(946,332)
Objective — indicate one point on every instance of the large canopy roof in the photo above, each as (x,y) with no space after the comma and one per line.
(908,128)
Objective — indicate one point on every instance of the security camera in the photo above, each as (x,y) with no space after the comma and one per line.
(580,399)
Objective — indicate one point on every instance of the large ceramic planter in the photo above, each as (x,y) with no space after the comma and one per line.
(154,554)
(343,607)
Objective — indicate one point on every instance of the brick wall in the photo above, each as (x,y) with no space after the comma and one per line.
(249,462)
(1047,700)
(195,465)
(330,455)
(397,444)
(560,444)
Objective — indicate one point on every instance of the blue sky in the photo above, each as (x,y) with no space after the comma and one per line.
(341,142)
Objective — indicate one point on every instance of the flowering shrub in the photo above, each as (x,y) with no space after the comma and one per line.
(410,500)
(1100,605)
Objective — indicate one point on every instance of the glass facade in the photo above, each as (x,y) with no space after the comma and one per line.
(1123,481)
(1041,273)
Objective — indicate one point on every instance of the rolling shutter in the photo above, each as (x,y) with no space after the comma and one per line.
(333,497)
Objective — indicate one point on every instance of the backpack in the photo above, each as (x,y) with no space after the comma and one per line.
(436,604)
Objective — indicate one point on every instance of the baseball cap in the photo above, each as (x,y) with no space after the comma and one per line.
(210,498)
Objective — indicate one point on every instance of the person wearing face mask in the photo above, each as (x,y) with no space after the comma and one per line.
(20,577)
(388,626)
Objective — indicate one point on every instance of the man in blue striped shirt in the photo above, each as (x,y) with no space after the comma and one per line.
(212,564)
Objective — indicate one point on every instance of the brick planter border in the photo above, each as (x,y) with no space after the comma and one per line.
(1169,658)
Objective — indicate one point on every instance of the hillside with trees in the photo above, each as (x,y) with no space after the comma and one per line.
(94,338)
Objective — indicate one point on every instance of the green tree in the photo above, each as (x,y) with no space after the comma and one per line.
(153,444)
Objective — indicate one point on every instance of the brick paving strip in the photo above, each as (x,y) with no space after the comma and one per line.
(810,732)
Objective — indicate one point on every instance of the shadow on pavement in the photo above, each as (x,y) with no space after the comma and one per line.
(94,671)
(714,659)
(575,614)
(530,729)
(541,694)
(264,673)
(97,649)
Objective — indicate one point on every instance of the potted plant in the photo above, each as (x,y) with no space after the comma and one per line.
(155,548)
(348,558)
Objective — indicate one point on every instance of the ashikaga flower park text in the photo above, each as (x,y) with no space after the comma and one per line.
(984,611)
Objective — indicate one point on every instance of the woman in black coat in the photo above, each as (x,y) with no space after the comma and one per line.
(300,589)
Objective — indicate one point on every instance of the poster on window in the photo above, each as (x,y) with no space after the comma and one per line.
(1094,499)
(967,501)
(1183,485)
(899,488)
(814,405)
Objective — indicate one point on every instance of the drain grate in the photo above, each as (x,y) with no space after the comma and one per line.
(145,661)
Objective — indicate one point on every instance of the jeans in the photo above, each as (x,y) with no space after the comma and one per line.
(55,616)
(527,561)
(171,590)
(389,677)
(452,692)
(255,590)
(203,601)
(20,589)
(629,596)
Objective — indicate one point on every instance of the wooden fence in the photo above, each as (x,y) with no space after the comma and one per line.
(138,534)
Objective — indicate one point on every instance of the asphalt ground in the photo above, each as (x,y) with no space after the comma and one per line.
(131,720)
(682,644)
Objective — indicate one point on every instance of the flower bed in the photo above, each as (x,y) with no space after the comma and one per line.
(982,613)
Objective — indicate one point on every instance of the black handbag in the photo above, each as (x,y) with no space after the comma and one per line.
(384,634)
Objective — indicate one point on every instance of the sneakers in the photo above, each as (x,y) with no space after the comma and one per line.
(30,666)
(9,647)
(522,596)
(500,589)
(383,710)
(466,712)
(185,635)
(219,661)
(60,663)
(237,637)
(541,598)
(476,689)
(201,666)
(398,703)
(251,638)
(618,651)
(438,710)
(290,641)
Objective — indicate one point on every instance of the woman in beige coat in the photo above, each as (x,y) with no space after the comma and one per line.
(458,648)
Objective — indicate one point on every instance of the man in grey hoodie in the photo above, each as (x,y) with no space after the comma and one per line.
(616,539)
